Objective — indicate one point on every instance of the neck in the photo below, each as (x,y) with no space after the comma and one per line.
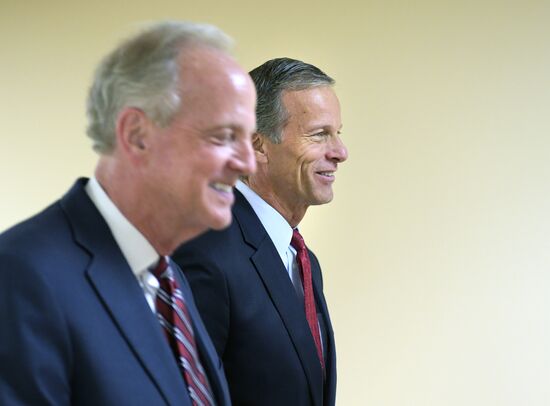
(124,191)
(293,214)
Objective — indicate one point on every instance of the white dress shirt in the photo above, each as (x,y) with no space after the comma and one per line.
(138,252)
(278,230)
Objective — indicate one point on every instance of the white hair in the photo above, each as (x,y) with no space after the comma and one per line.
(143,72)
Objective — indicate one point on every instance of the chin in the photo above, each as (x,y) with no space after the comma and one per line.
(221,222)
(322,200)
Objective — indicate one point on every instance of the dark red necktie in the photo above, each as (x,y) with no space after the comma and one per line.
(176,322)
(302,258)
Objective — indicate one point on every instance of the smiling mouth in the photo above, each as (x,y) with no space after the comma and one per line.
(328,174)
(222,187)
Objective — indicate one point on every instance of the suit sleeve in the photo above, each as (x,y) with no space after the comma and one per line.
(210,292)
(34,339)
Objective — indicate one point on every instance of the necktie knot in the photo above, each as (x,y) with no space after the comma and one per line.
(297,241)
(161,267)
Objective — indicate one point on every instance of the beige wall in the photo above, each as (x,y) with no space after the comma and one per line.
(436,250)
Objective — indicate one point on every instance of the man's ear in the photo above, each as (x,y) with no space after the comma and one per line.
(259,142)
(132,131)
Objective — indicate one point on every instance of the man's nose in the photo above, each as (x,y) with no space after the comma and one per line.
(337,151)
(244,160)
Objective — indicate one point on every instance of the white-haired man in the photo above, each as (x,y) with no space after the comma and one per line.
(92,310)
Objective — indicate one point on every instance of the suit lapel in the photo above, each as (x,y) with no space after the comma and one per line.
(279,288)
(121,295)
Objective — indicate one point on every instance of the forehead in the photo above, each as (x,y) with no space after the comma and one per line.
(317,105)
(211,79)
(202,66)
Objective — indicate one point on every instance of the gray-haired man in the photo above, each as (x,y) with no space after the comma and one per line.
(258,288)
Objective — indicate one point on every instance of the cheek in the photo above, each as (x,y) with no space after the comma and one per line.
(209,165)
(306,160)
(203,158)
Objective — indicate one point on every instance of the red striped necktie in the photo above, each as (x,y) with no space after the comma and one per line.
(302,258)
(176,323)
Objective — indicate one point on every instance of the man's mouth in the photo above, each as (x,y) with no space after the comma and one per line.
(329,174)
(221,187)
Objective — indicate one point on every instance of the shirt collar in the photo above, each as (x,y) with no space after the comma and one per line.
(274,223)
(137,251)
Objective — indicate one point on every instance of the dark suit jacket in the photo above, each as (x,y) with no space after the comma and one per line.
(75,328)
(255,318)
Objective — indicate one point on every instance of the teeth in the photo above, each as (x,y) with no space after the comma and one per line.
(222,187)
(326,173)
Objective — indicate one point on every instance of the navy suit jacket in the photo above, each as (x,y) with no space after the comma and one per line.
(75,328)
(255,318)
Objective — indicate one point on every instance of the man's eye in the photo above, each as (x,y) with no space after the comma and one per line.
(224,138)
(320,134)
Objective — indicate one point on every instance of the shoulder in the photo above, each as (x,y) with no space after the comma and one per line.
(43,246)
(39,232)
(212,243)
(45,230)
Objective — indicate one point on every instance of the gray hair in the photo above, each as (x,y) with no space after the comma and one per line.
(143,72)
(274,77)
